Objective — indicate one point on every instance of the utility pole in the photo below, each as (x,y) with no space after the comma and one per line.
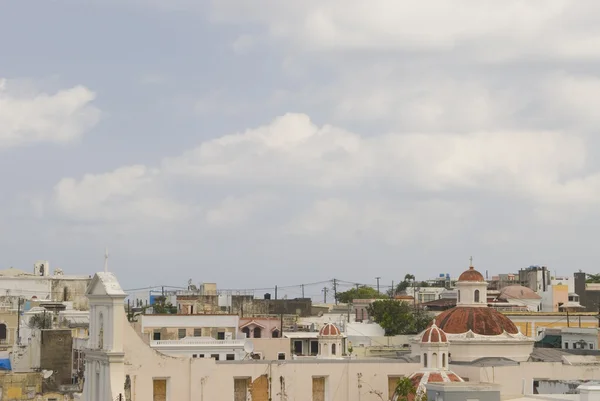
(325,290)
(377,278)
(393,290)
(19,321)
(275,292)
(335,291)
(302,286)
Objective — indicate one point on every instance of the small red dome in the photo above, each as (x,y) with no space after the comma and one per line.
(483,321)
(330,329)
(434,335)
(471,275)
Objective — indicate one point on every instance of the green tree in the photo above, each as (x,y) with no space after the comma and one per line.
(40,321)
(398,317)
(593,278)
(161,306)
(404,389)
(362,292)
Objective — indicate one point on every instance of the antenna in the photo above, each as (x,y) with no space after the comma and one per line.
(105,260)
(248,349)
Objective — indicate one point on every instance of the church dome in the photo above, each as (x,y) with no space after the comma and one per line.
(518,292)
(483,321)
(471,275)
(434,335)
(329,330)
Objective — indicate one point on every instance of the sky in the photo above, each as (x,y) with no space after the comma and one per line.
(265,142)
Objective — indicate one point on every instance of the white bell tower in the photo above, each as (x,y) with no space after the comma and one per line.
(104,357)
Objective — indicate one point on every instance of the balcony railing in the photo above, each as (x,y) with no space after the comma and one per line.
(188,342)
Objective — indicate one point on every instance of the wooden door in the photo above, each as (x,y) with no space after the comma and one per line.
(318,389)
(240,389)
(160,390)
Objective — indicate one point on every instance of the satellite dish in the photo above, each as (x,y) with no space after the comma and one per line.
(248,347)
(320,314)
(47,373)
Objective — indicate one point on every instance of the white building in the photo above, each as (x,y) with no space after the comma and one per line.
(204,347)
(579,338)
(43,286)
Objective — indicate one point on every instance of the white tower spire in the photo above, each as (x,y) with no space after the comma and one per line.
(105,260)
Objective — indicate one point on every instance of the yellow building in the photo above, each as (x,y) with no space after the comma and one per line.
(531,323)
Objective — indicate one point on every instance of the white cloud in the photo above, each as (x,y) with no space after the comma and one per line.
(489,30)
(294,151)
(40,117)
(129,193)
(382,219)
(237,210)
(328,180)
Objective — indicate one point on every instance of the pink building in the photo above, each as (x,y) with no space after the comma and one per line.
(260,327)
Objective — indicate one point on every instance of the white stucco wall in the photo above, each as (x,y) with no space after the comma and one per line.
(185,321)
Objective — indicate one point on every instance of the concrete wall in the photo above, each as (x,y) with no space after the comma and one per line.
(56,355)
(20,386)
(270,348)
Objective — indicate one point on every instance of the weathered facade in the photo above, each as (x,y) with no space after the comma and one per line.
(56,356)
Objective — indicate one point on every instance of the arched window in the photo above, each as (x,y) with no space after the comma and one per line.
(476,297)
(424,360)
(257,332)
(101,332)
(434,360)
(275,333)
(246,331)
(333,349)
(443,360)
(458,296)
(65,294)
(3,332)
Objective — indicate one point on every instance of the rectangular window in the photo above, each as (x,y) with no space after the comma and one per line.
(197,332)
(240,389)
(194,355)
(314,347)
(318,389)
(591,346)
(298,347)
(230,357)
(281,356)
(160,390)
(216,356)
(156,336)
(566,345)
(181,333)
(221,335)
(201,356)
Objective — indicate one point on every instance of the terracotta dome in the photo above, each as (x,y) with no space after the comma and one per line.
(434,335)
(471,275)
(484,321)
(330,329)
(518,292)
